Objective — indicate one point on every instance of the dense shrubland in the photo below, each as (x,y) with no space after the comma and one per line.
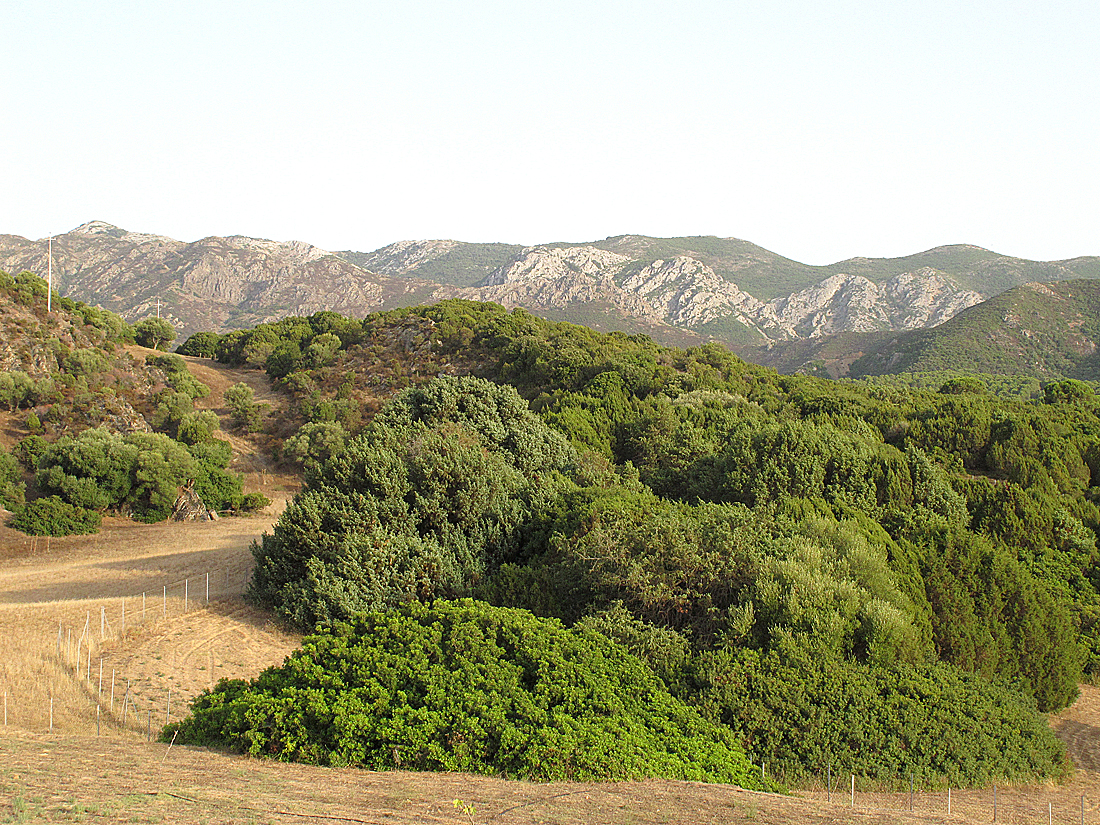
(838,573)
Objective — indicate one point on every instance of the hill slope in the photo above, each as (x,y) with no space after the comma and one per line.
(1045,331)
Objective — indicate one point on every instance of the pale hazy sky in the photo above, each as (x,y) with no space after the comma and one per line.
(820,130)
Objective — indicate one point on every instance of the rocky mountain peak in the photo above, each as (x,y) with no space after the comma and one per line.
(538,262)
(98,228)
(405,256)
(298,252)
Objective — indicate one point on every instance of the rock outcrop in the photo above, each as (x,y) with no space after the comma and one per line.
(190,507)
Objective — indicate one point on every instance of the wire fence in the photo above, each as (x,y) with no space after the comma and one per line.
(80,649)
(1013,804)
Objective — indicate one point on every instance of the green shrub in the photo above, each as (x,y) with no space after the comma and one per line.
(250,502)
(29,450)
(50,516)
(11,481)
(462,686)
(315,443)
(424,504)
(201,344)
(99,470)
(247,412)
(86,362)
(154,332)
(802,713)
(177,376)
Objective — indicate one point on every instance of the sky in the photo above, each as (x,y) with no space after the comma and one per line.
(821,130)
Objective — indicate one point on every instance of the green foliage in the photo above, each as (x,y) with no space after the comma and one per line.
(17,389)
(29,450)
(897,538)
(462,686)
(154,332)
(315,443)
(963,385)
(250,502)
(86,362)
(196,427)
(200,345)
(51,516)
(219,488)
(11,481)
(247,412)
(1068,391)
(801,714)
(99,470)
(426,503)
(177,376)
(991,617)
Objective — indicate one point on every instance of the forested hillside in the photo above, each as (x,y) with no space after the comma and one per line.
(90,428)
(882,579)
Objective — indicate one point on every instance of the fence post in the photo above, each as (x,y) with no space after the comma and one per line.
(100,677)
(89,662)
(185,584)
(112,690)
(949,801)
(853,790)
(829,783)
(102,620)
(164,604)
(51,714)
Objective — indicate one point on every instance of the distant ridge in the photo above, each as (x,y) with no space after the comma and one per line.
(1046,331)
(678,290)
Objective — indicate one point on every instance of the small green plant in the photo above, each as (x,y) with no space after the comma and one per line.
(468,809)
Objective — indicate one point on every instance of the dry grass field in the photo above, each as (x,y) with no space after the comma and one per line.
(96,768)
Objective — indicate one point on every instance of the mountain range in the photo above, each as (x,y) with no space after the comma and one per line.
(678,290)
